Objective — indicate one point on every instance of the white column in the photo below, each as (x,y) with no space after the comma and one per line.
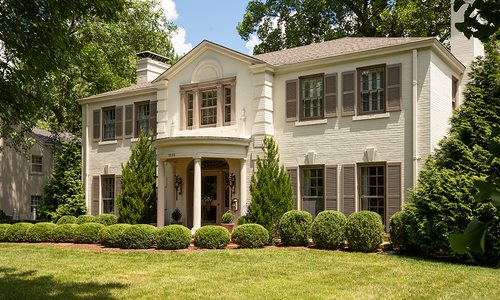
(243,187)
(160,203)
(197,194)
(170,190)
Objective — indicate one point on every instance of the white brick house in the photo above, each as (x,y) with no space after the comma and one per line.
(354,119)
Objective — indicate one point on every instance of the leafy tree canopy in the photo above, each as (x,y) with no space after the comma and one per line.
(481,19)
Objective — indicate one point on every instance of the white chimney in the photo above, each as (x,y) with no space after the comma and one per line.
(150,65)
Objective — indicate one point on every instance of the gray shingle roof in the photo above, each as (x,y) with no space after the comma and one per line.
(131,88)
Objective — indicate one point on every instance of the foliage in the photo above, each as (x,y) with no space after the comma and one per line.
(17,232)
(398,230)
(286,24)
(295,228)
(176,215)
(40,232)
(140,236)
(137,201)
(364,231)
(63,194)
(250,236)
(82,219)
(328,229)
(67,220)
(173,237)
(3,217)
(64,233)
(211,237)
(111,236)
(480,19)
(106,219)
(270,188)
(227,217)
(88,233)
(242,220)
(3,232)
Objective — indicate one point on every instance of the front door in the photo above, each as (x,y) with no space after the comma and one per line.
(211,197)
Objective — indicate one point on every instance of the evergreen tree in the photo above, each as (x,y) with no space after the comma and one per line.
(137,201)
(270,188)
(64,193)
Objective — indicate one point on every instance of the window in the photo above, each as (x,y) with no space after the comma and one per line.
(108,128)
(108,194)
(454,92)
(142,118)
(372,89)
(189,109)
(311,97)
(208,109)
(373,189)
(312,190)
(36,164)
(228,98)
(36,201)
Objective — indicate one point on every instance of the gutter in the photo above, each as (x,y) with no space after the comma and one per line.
(415,115)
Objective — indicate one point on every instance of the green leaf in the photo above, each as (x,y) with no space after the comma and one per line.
(471,239)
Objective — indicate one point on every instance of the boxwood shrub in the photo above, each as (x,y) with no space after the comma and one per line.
(18,232)
(67,220)
(397,230)
(364,231)
(212,237)
(328,229)
(111,236)
(40,232)
(140,236)
(88,233)
(64,233)
(173,237)
(250,236)
(295,228)
(107,219)
(82,219)
(3,230)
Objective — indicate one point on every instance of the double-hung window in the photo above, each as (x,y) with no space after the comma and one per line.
(36,164)
(208,108)
(36,201)
(108,128)
(373,189)
(142,118)
(108,194)
(189,109)
(313,190)
(311,97)
(372,90)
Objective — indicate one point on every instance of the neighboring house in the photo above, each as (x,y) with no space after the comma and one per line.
(23,176)
(354,119)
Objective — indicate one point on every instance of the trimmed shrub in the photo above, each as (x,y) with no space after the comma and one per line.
(40,232)
(250,236)
(242,220)
(64,233)
(88,233)
(18,232)
(328,229)
(295,227)
(140,236)
(82,219)
(364,231)
(3,232)
(227,217)
(174,237)
(67,220)
(111,236)
(212,237)
(397,230)
(107,219)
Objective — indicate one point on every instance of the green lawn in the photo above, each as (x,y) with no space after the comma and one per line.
(40,272)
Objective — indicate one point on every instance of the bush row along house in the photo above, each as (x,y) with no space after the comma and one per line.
(354,119)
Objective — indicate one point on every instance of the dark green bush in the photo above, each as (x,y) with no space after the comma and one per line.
(88,233)
(242,220)
(3,231)
(328,229)
(140,236)
(64,233)
(212,237)
(364,231)
(40,232)
(173,237)
(227,217)
(295,228)
(3,217)
(250,236)
(18,232)
(107,219)
(67,220)
(111,236)
(82,219)
(397,230)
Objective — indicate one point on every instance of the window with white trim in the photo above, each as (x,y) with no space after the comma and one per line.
(208,108)
(313,189)
(372,89)
(108,120)
(108,194)
(311,97)
(36,164)
(373,189)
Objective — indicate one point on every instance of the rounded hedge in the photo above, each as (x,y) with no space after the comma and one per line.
(364,231)
(40,232)
(3,230)
(295,228)
(18,232)
(88,233)
(227,217)
(212,237)
(82,219)
(64,233)
(140,236)
(111,236)
(397,230)
(328,229)
(107,219)
(173,237)
(67,220)
(250,236)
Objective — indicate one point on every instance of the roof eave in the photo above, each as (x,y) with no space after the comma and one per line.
(124,94)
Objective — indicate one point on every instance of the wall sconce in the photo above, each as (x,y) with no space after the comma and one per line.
(232,183)
(178,184)
(234,204)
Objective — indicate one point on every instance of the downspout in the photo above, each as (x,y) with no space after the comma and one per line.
(414,118)
(85,153)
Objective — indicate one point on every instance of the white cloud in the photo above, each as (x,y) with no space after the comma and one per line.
(252,42)
(169,9)
(179,42)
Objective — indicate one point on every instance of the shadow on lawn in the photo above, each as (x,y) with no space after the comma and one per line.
(26,285)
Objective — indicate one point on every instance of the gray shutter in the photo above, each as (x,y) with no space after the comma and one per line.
(331,95)
(118,190)
(393,189)
(129,121)
(291,99)
(96,124)
(94,207)
(293,180)
(152,116)
(348,93)
(393,87)
(331,187)
(349,189)
(119,122)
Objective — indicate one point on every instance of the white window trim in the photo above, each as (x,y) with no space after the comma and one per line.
(311,122)
(372,116)
(107,142)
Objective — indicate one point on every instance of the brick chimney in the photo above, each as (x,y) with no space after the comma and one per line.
(150,65)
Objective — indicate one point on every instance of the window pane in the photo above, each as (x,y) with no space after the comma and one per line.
(109,124)
(312,190)
(108,194)
(373,189)
(36,164)
(208,108)
(372,89)
(312,97)
(142,123)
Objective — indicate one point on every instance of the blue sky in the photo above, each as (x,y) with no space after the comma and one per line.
(213,20)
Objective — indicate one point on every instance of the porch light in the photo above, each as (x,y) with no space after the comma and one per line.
(232,183)
(178,184)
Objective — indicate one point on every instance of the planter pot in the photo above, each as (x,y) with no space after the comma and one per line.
(229,227)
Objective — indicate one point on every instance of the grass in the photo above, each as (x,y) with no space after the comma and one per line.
(41,272)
